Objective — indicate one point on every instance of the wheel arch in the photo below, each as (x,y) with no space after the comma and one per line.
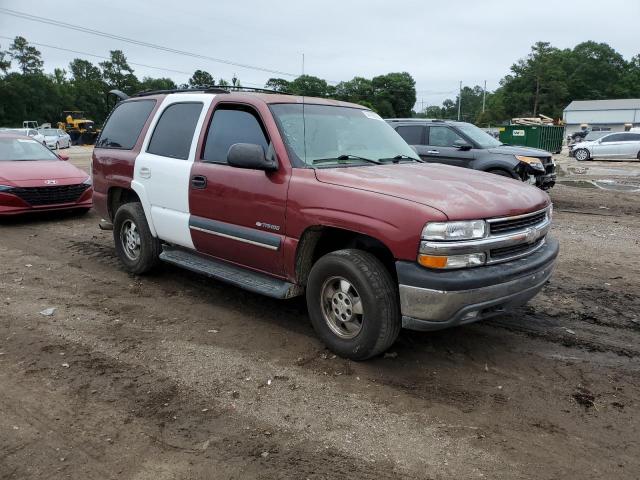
(118,196)
(319,240)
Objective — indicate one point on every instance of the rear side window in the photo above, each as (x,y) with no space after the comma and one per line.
(125,124)
(174,131)
(412,134)
(616,137)
(230,126)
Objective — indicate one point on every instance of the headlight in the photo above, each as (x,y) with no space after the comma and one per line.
(454,230)
(531,161)
(88,181)
(452,261)
(4,188)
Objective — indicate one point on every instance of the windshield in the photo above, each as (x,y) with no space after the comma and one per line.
(23,149)
(329,135)
(50,131)
(591,136)
(478,136)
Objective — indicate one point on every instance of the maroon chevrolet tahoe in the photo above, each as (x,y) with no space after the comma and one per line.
(287,196)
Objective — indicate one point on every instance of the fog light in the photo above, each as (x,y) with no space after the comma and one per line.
(452,261)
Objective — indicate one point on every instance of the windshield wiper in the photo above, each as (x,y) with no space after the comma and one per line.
(399,157)
(345,157)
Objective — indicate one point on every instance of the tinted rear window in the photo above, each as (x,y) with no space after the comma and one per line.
(412,134)
(125,124)
(174,131)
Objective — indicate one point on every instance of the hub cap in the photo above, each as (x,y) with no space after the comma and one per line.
(342,307)
(581,155)
(130,239)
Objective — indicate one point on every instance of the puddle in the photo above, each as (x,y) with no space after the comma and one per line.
(597,170)
(611,185)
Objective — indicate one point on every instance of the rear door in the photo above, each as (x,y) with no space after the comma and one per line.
(630,145)
(163,167)
(441,147)
(414,135)
(238,215)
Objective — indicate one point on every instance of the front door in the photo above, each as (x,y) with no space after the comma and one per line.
(238,215)
(441,147)
(608,146)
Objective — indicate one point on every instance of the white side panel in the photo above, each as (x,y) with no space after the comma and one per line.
(165,181)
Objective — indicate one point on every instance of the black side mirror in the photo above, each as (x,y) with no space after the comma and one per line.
(251,156)
(462,145)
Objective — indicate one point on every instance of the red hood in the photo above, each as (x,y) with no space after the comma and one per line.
(34,173)
(460,193)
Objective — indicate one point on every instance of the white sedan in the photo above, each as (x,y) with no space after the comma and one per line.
(56,138)
(613,146)
(28,132)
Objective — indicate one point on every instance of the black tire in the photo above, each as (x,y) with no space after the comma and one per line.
(502,173)
(373,285)
(57,145)
(148,247)
(581,154)
(638,156)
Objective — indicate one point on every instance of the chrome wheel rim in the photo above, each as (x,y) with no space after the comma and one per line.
(130,239)
(342,307)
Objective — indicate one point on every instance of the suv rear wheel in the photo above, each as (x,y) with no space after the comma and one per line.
(353,304)
(137,249)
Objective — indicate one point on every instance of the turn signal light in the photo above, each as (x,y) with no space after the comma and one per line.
(432,261)
(452,261)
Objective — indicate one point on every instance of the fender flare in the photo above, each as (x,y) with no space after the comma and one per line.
(146,206)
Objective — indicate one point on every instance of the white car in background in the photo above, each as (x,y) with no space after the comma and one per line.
(28,132)
(56,138)
(612,146)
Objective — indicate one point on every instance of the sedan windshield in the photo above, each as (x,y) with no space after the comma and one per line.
(480,137)
(50,132)
(23,149)
(325,135)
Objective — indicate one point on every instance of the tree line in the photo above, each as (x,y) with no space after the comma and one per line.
(543,82)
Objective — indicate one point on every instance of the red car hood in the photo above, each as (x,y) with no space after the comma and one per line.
(460,193)
(34,173)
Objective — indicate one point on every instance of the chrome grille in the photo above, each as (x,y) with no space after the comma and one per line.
(513,224)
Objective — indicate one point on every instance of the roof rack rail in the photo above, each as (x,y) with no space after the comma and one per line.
(207,89)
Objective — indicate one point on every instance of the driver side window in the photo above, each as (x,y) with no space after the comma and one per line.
(230,125)
(443,137)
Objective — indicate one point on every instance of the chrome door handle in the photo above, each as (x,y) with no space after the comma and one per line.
(145,172)
(434,152)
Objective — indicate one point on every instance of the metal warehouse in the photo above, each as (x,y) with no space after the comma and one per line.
(615,115)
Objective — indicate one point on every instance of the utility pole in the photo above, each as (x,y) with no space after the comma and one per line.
(459,100)
(484,95)
(302,63)
(422,105)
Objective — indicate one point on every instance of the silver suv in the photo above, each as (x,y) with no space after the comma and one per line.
(612,146)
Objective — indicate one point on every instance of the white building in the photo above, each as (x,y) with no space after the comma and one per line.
(616,115)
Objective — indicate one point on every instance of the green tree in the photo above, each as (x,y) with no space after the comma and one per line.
(357,90)
(201,78)
(278,84)
(394,94)
(310,86)
(5,61)
(117,73)
(88,90)
(148,83)
(27,57)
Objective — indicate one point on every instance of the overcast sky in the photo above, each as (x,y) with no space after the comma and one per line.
(439,43)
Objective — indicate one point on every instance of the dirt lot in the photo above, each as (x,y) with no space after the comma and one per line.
(176,376)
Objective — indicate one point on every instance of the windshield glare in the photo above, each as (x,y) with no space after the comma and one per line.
(329,132)
(479,136)
(22,149)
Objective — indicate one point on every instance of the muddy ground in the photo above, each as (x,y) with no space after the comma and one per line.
(174,376)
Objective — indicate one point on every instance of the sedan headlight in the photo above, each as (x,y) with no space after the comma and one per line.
(454,230)
(533,162)
(4,188)
(88,181)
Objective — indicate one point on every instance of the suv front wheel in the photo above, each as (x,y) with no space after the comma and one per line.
(353,304)
(137,249)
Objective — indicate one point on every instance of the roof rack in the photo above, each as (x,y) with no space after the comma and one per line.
(207,89)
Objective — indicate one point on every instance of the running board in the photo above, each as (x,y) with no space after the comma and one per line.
(226,272)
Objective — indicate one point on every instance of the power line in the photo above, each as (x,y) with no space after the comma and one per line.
(69,26)
(44,45)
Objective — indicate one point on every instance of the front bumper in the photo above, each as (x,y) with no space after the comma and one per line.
(546,181)
(433,300)
(12,205)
